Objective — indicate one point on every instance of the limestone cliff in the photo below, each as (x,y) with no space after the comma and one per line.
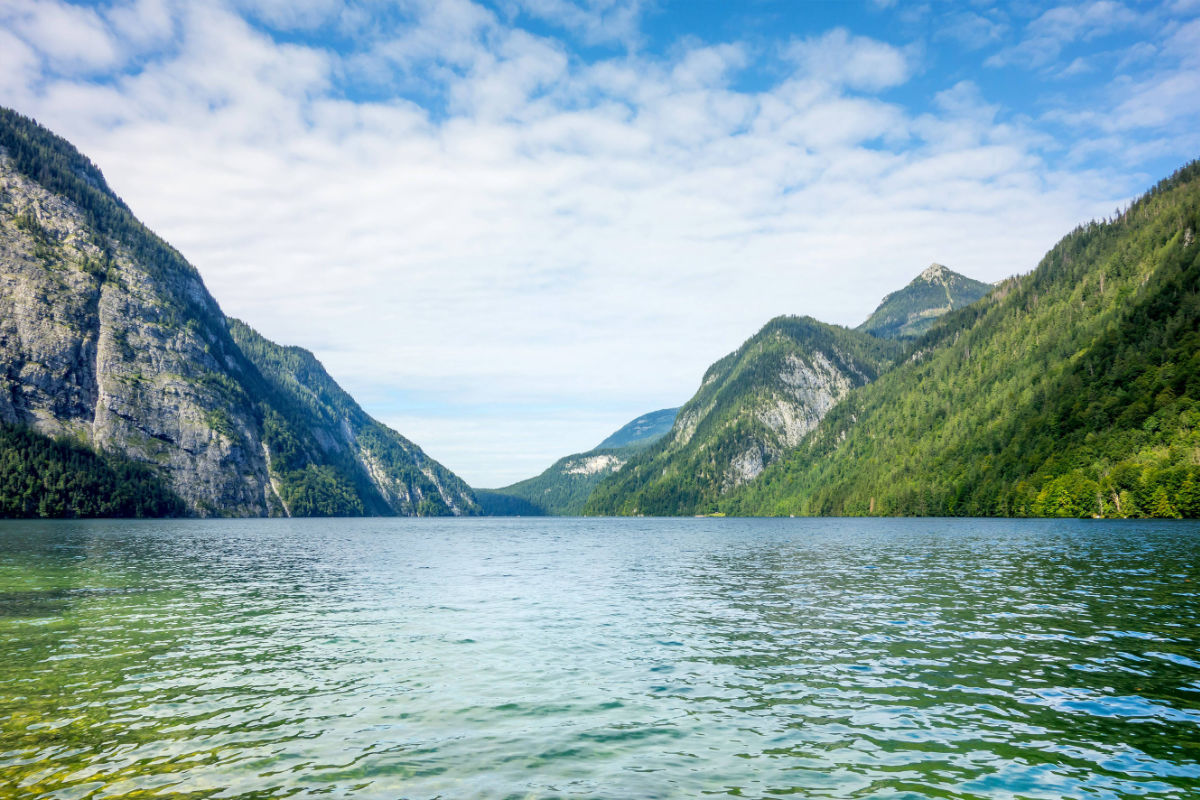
(753,406)
(109,337)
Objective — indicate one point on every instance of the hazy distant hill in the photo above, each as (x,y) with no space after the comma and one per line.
(911,311)
(643,431)
(564,487)
(110,341)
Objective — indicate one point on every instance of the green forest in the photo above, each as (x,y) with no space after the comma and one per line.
(60,478)
(1070,391)
(686,475)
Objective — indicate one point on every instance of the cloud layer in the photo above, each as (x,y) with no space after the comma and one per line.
(506,248)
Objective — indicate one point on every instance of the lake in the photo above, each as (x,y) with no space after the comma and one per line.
(609,658)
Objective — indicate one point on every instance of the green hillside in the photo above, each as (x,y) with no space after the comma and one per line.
(565,486)
(752,407)
(909,312)
(1071,390)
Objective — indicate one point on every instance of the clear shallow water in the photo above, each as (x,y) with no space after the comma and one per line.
(600,658)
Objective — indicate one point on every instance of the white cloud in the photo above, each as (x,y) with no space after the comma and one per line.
(578,240)
(72,39)
(596,21)
(857,62)
(140,24)
(1048,34)
(1160,99)
(293,14)
(1067,23)
(971,30)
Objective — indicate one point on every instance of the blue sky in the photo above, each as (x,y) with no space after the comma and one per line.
(509,227)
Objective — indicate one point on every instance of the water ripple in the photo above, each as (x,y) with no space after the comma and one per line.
(600,658)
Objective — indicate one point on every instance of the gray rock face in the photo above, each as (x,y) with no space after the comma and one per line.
(753,407)
(136,358)
(120,357)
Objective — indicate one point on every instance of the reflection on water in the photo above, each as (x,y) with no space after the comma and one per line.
(600,658)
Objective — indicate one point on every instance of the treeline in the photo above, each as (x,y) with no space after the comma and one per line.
(58,478)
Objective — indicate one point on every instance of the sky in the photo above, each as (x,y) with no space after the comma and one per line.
(509,227)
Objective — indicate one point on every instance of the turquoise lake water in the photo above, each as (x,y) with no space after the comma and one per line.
(628,658)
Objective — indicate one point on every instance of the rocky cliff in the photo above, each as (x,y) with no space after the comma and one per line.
(110,338)
(752,407)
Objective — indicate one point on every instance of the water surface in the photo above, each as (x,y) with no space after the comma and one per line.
(515,658)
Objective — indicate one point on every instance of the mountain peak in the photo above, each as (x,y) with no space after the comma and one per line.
(935,272)
(911,311)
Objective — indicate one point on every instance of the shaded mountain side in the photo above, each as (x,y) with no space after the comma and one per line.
(497,503)
(565,486)
(110,340)
(1072,390)
(641,432)
(752,407)
(909,312)
(59,478)
(390,474)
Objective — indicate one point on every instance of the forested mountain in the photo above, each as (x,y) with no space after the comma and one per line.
(124,392)
(753,407)
(643,431)
(564,487)
(1072,390)
(389,474)
(909,312)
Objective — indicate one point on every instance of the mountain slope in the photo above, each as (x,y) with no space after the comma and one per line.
(389,472)
(1073,390)
(109,340)
(643,431)
(565,486)
(909,312)
(753,406)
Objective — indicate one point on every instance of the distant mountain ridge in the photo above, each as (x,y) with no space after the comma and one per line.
(783,382)
(117,368)
(564,487)
(645,430)
(909,312)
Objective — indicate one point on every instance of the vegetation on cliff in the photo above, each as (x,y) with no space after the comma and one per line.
(111,344)
(752,407)
(1070,391)
(58,478)
(331,458)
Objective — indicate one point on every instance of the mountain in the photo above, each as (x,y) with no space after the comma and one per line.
(753,407)
(643,431)
(126,387)
(909,312)
(1073,390)
(564,487)
(389,473)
